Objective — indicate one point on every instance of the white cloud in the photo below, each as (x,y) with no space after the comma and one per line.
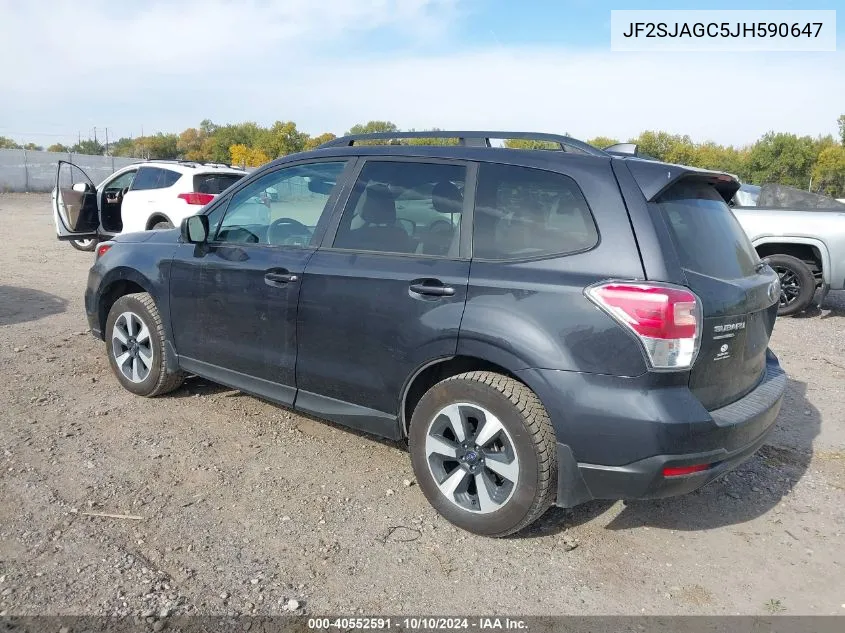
(330,64)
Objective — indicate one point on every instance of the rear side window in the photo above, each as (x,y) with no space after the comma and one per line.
(708,238)
(522,213)
(405,207)
(215,183)
(154,178)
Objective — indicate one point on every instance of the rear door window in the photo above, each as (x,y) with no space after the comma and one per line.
(708,237)
(405,207)
(154,178)
(523,213)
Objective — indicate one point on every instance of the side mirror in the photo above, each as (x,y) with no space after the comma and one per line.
(81,187)
(195,229)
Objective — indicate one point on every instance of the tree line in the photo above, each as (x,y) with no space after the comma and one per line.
(817,164)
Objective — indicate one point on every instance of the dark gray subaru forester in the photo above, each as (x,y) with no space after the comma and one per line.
(541,326)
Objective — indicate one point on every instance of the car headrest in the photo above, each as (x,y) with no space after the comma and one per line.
(447,198)
(379,206)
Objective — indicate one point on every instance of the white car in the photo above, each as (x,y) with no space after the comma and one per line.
(156,194)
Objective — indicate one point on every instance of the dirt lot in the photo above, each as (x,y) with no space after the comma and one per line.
(244,506)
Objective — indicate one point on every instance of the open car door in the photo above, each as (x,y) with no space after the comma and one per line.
(75,209)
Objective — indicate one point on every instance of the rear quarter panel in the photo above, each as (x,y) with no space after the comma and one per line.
(534,314)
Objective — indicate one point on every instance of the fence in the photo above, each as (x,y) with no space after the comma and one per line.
(27,170)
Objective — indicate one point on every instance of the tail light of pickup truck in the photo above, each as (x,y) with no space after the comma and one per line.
(197,198)
(666,319)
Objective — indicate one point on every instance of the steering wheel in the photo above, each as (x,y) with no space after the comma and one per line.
(434,228)
(284,228)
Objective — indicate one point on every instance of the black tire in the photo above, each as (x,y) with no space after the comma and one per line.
(798,285)
(162,224)
(84,245)
(160,379)
(528,426)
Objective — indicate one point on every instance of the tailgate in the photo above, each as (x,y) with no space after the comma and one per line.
(739,294)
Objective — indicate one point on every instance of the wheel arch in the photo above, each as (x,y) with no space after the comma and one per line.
(803,248)
(120,282)
(430,373)
(155,218)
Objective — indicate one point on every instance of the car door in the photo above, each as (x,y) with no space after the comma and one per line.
(147,195)
(234,299)
(110,196)
(74,201)
(386,292)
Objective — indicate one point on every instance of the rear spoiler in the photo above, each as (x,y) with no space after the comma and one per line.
(654,178)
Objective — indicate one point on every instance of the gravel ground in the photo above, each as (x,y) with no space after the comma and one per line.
(237,506)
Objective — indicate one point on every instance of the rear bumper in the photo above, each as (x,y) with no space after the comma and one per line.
(738,430)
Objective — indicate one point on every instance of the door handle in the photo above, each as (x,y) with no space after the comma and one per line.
(275,278)
(434,288)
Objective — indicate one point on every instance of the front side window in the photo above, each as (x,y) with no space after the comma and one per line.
(405,207)
(522,213)
(281,208)
(123,181)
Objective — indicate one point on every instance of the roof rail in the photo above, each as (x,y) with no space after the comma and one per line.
(183,161)
(471,139)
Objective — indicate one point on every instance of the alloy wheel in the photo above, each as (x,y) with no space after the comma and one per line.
(790,286)
(472,458)
(132,347)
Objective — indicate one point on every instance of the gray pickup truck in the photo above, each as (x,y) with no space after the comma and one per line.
(802,236)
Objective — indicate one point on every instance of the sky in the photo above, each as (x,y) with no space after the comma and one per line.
(161,66)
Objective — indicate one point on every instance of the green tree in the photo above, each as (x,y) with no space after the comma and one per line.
(602,141)
(88,146)
(191,143)
(841,122)
(216,146)
(33,147)
(371,127)
(314,142)
(829,171)
(157,146)
(123,147)
(7,143)
(281,139)
(782,158)
(58,147)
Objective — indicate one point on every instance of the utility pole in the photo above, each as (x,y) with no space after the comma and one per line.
(107,141)
(95,134)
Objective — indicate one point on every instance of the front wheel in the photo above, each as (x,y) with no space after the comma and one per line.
(162,224)
(84,245)
(797,284)
(135,343)
(484,453)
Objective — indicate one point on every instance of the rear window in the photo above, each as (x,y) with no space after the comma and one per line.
(708,237)
(154,178)
(523,213)
(215,183)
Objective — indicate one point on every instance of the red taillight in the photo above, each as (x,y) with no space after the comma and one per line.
(666,319)
(677,471)
(197,198)
(102,249)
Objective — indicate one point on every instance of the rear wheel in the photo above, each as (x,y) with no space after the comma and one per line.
(797,284)
(162,224)
(135,342)
(84,245)
(483,451)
